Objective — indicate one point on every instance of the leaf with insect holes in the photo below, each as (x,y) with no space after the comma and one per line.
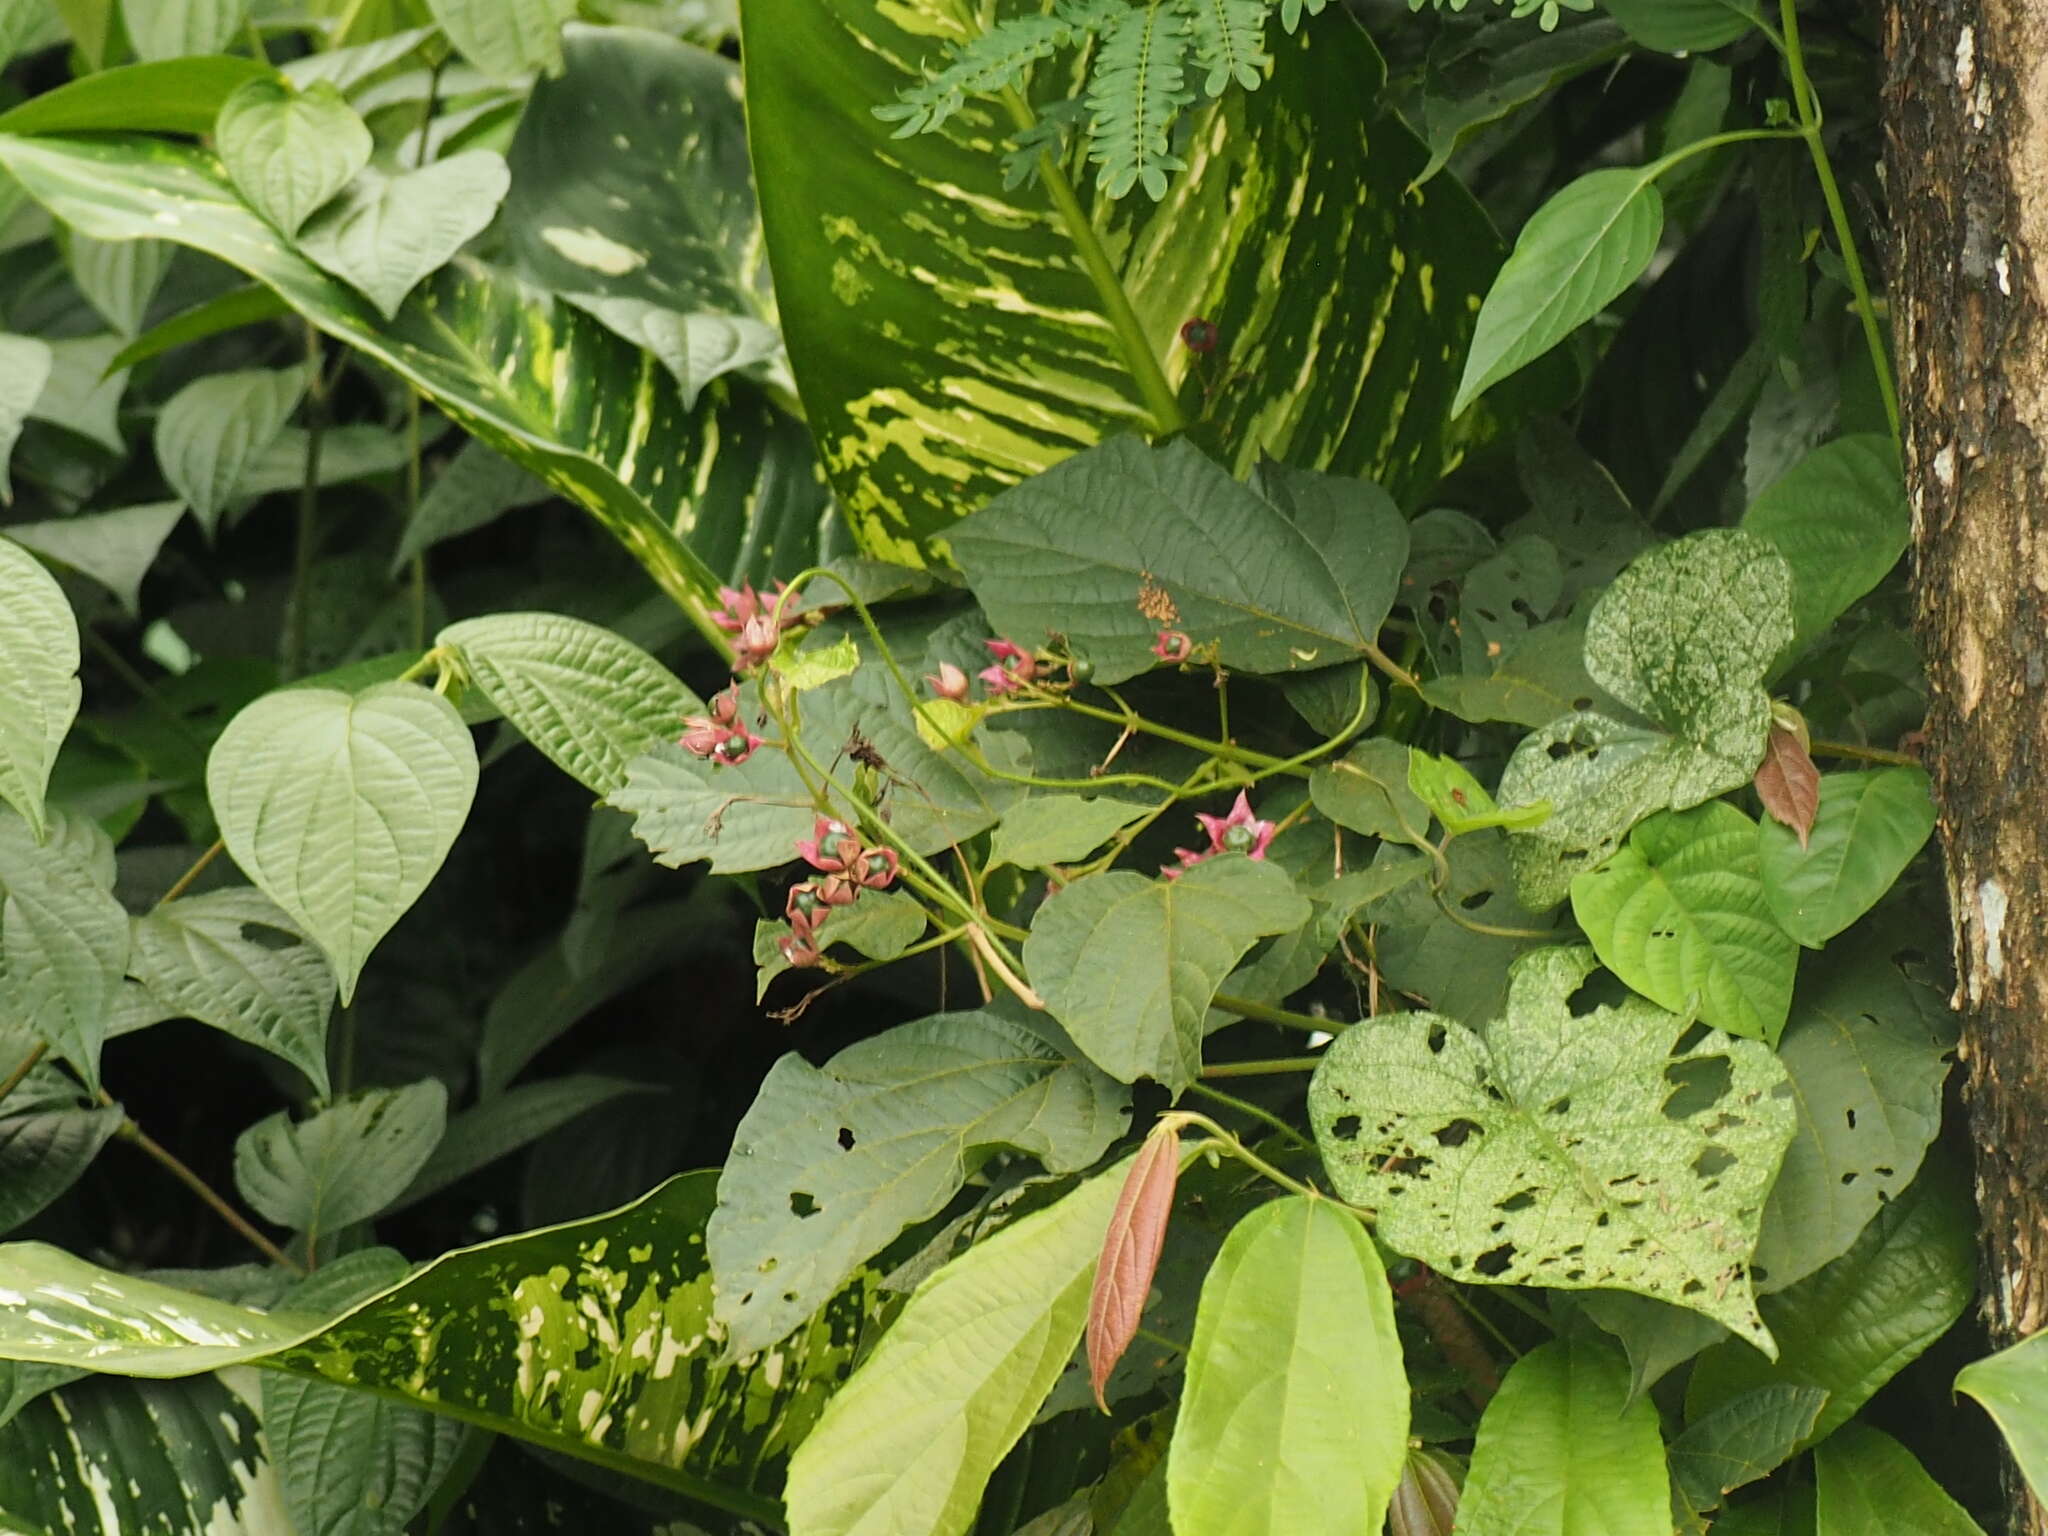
(1787,781)
(1580,1152)
(1130,1255)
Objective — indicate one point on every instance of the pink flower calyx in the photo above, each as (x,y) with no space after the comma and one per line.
(756,642)
(833,846)
(949,682)
(719,736)
(1014,667)
(743,603)
(1173,645)
(725,705)
(876,868)
(1239,832)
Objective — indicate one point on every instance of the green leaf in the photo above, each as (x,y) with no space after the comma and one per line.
(178,29)
(476,487)
(1679,914)
(831,1164)
(47,1139)
(1579,1152)
(1295,1415)
(1867,830)
(998,358)
(505,38)
(1684,26)
(346,1163)
(1368,791)
(501,1125)
(1867,1484)
(39,688)
(1839,518)
(739,816)
(589,699)
(24,369)
(1851,1327)
(909,1442)
(618,1306)
(1786,1509)
(695,349)
(1129,964)
(116,549)
(289,151)
(1460,801)
(63,937)
(384,234)
(175,96)
(803,668)
(117,277)
(1502,70)
(1423,950)
(233,959)
(340,807)
(1868,1054)
(1299,578)
(1563,1450)
(81,395)
(1744,1439)
(2013,1387)
(1657,1336)
(210,432)
(1045,830)
(1579,252)
(249,304)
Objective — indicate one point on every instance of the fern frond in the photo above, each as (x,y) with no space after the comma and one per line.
(990,63)
(1137,89)
(1230,41)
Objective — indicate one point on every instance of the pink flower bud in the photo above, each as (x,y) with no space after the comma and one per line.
(877,868)
(757,640)
(1013,659)
(725,705)
(799,954)
(701,735)
(950,683)
(832,846)
(837,891)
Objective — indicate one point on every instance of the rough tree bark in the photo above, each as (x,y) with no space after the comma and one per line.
(1967,175)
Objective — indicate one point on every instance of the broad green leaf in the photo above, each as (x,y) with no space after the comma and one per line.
(1130,964)
(739,816)
(233,959)
(345,1163)
(1679,914)
(117,277)
(290,150)
(24,369)
(1294,1421)
(601,424)
(341,807)
(591,700)
(1119,543)
(172,96)
(1684,26)
(2013,1387)
(1785,1510)
(211,431)
(345,68)
(1852,1326)
(1058,829)
(996,357)
(505,38)
(1423,950)
(116,549)
(107,1457)
(1742,1440)
(908,1443)
(48,1137)
(832,1163)
(1367,790)
(383,234)
(356,451)
(1868,1053)
(880,926)
(63,937)
(1867,830)
(82,396)
(477,485)
(504,1123)
(1657,1336)
(39,688)
(804,667)
(247,305)
(1575,1151)
(25,24)
(178,29)
(1563,1451)
(1500,71)
(618,1306)
(1579,252)
(1867,1484)
(1839,518)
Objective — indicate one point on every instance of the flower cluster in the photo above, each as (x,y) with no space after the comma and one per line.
(721,735)
(750,618)
(847,867)
(1239,832)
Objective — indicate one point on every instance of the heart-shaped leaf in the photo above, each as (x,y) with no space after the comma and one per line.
(1839,518)
(289,151)
(117,277)
(1866,831)
(210,432)
(384,233)
(179,29)
(344,1164)
(342,806)
(1580,1152)
(506,38)
(39,687)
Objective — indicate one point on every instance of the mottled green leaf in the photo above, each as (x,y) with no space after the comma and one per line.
(1579,1152)
(831,1163)
(1867,1484)
(947,338)
(340,807)
(290,150)
(24,369)
(1839,518)
(384,233)
(117,277)
(1563,1451)
(1679,914)
(1867,830)
(1059,829)
(1295,1417)
(2013,1387)
(233,959)
(39,687)
(115,548)
(211,431)
(1129,964)
(909,1442)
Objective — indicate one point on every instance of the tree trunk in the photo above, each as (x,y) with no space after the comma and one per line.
(1967,176)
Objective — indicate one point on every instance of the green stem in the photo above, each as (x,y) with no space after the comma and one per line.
(1273,1068)
(418,575)
(1490,930)
(1285,1018)
(1848,749)
(1246,1107)
(28,1064)
(134,1134)
(184,882)
(1714,141)
(309,507)
(1808,107)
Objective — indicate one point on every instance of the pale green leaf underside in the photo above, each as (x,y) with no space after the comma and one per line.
(505,38)
(39,688)
(290,151)
(383,234)
(24,369)
(343,1164)
(63,936)
(116,548)
(210,432)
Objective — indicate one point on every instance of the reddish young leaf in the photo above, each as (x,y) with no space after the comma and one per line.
(1130,1254)
(1426,1503)
(1788,783)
